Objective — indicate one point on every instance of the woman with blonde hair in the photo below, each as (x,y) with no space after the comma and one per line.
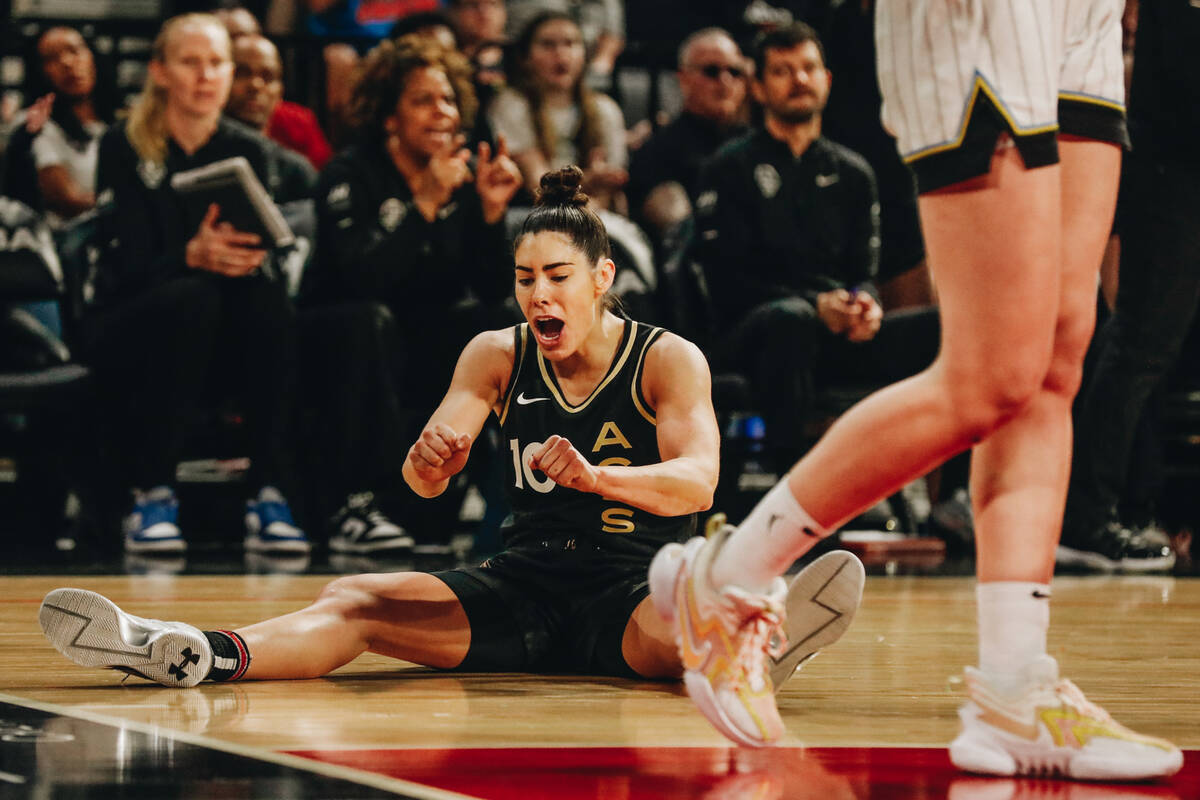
(179,293)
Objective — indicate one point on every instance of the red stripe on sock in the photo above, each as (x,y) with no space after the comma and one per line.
(243,654)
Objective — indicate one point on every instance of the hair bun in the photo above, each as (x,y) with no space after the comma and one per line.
(562,187)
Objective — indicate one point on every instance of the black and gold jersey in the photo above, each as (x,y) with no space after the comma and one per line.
(614,425)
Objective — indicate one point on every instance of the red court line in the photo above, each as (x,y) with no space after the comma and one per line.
(727,773)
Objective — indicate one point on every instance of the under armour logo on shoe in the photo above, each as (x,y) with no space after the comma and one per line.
(177,671)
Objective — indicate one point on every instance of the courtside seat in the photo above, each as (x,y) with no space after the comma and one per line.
(42,387)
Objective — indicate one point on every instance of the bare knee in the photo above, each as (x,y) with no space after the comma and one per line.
(984,399)
(648,645)
(1071,341)
(348,596)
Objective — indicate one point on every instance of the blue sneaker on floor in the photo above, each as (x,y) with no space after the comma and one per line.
(270,527)
(152,526)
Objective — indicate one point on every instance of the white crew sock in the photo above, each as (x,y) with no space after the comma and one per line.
(1014,617)
(775,534)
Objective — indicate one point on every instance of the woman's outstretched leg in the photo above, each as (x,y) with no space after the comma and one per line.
(410,616)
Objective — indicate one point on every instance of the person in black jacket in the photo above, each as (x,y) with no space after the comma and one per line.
(1157,296)
(788,235)
(401,216)
(663,171)
(181,293)
(407,220)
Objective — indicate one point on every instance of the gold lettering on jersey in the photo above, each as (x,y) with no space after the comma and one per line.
(617,520)
(615,461)
(610,434)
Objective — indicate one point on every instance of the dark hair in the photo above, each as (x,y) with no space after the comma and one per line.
(784,38)
(62,112)
(384,74)
(561,207)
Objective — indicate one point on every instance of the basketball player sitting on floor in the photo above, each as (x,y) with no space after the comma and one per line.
(614,451)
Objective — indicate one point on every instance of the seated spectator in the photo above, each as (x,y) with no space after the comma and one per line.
(1158,296)
(404,219)
(477,23)
(64,148)
(181,293)
(601,23)
(345,360)
(479,29)
(256,99)
(663,171)
(788,235)
(551,119)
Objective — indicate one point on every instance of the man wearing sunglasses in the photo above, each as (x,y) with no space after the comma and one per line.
(663,172)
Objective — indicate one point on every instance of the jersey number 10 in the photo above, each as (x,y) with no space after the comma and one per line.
(615,520)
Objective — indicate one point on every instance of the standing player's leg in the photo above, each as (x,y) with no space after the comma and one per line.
(1019,482)
(410,616)
(1019,475)
(998,321)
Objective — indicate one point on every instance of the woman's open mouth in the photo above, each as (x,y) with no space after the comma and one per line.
(548,330)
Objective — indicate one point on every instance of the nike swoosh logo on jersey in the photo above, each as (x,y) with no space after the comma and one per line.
(827,180)
(522,400)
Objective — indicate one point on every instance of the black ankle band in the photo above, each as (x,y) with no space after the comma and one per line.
(231,657)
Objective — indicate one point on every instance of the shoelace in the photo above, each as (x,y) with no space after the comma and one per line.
(1072,694)
(764,637)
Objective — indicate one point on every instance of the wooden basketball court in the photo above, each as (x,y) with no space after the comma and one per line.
(868,718)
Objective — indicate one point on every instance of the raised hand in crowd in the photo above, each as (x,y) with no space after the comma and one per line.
(497,179)
(445,172)
(219,247)
(37,113)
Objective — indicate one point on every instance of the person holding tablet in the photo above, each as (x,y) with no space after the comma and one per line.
(179,295)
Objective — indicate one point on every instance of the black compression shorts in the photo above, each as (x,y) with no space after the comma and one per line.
(561,608)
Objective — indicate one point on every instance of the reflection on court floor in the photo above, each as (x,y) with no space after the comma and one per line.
(869,718)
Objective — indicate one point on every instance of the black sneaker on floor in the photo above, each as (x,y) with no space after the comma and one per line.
(361,527)
(1116,548)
